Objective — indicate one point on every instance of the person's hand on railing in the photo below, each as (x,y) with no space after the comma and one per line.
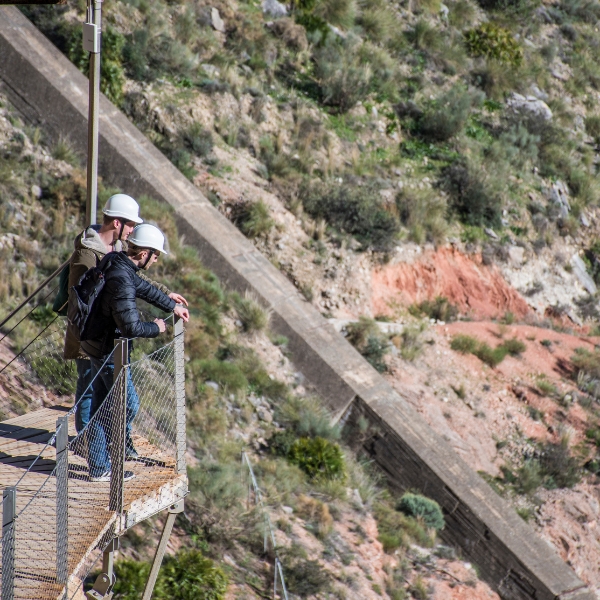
(178,298)
(182,312)
(162,327)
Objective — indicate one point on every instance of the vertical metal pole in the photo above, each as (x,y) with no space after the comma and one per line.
(281,578)
(94,16)
(9,510)
(275,579)
(180,395)
(117,426)
(161,548)
(62,500)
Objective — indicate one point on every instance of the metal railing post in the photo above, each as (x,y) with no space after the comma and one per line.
(117,425)
(180,395)
(9,509)
(62,500)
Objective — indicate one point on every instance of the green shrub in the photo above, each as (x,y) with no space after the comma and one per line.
(593,434)
(446,116)
(529,477)
(410,344)
(342,77)
(64,151)
(465,344)
(198,140)
(587,362)
(253,316)
(182,159)
(186,576)
(303,577)
(472,198)
(337,12)
(560,469)
(509,7)
(546,388)
(425,36)
(418,589)
(429,510)
(490,356)
(424,212)
(131,579)
(592,127)
(351,209)
(440,309)
(495,42)
(398,530)
(306,417)
(190,576)
(224,373)
(376,21)
(318,458)
(257,221)
(367,338)
(148,54)
(587,11)
(374,351)
(217,499)
(514,347)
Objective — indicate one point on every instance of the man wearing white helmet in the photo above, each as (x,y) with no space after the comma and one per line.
(114,315)
(121,215)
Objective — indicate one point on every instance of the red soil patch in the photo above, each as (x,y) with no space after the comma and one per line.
(476,289)
(552,360)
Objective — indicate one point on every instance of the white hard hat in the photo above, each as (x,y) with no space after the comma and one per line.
(147,236)
(122,206)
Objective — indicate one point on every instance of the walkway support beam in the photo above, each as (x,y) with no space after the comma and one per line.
(161,549)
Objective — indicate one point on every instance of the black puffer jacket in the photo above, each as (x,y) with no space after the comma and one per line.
(115,308)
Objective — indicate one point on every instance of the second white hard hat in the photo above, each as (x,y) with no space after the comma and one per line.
(148,236)
(122,206)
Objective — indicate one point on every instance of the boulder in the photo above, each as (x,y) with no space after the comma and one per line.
(274,9)
(580,271)
(215,20)
(558,196)
(529,104)
(516,255)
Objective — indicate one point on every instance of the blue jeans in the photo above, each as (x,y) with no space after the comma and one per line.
(100,434)
(83,393)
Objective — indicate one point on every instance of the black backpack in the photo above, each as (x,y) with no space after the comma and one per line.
(86,293)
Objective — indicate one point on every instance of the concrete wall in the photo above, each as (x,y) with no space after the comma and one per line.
(49,91)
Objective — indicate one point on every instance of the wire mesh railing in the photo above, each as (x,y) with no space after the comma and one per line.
(83,489)
(255,497)
(37,373)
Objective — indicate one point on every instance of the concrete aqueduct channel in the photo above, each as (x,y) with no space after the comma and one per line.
(50,92)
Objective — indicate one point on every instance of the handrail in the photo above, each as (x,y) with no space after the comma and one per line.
(33,294)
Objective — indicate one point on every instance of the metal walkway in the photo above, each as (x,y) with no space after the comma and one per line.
(56,522)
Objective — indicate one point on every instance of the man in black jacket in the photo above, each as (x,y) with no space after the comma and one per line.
(114,309)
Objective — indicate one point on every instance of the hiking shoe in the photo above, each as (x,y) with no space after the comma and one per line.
(127,476)
(101,478)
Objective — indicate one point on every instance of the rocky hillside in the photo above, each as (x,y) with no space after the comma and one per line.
(340,533)
(414,163)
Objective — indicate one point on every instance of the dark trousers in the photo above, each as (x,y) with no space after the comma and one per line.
(100,428)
